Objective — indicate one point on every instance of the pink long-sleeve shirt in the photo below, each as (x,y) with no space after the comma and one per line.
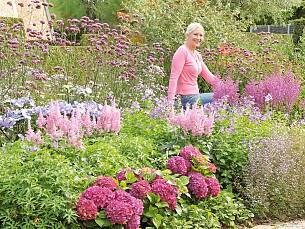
(184,73)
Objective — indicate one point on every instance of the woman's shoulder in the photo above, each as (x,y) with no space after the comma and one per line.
(181,50)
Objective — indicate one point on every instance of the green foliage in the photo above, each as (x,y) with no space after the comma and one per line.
(141,124)
(262,12)
(275,177)
(166,21)
(299,25)
(68,9)
(104,10)
(230,145)
(38,189)
(224,210)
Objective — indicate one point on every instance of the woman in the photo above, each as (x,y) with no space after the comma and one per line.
(187,64)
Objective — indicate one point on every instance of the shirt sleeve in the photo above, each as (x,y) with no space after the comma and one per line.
(207,75)
(178,62)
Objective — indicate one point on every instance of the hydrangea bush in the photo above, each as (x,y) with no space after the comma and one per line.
(147,194)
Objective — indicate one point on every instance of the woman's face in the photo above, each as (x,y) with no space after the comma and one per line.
(195,37)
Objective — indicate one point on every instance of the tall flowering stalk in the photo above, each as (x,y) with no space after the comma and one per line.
(278,90)
(226,88)
(77,124)
(193,120)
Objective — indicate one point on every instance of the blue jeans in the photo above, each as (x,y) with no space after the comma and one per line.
(201,99)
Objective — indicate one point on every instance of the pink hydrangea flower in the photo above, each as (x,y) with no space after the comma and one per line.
(134,222)
(188,152)
(167,192)
(123,208)
(100,196)
(140,189)
(119,212)
(197,185)
(136,204)
(213,186)
(179,165)
(86,209)
(106,182)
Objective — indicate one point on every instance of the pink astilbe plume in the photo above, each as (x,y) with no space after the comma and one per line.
(227,88)
(193,120)
(109,119)
(278,90)
(32,136)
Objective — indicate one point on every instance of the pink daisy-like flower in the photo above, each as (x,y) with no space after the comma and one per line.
(140,189)
(106,182)
(167,192)
(86,209)
(100,196)
(197,185)
(213,186)
(188,152)
(179,165)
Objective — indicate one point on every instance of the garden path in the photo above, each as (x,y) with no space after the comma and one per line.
(297,224)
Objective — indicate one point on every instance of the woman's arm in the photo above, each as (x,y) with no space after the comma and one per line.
(207,75)
(178,62)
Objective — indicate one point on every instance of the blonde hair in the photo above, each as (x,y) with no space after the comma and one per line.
(192,27)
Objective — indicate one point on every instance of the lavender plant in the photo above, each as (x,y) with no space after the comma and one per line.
(274,176)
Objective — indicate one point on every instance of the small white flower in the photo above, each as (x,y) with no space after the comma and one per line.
(268,98)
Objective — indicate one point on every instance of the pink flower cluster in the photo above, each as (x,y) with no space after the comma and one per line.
(193,120)
(226,88)
(179,165)
(78,124)
(199,185)
(280,91)
(167,192)
(120,207)
(140,189)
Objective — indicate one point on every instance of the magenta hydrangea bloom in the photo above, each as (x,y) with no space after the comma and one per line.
(86,209)
(140,189)
(188,152)
(136,204)
(106,182)
(134,222)
(213,186)
(167,192)
(119,212)
(197,185)
(179,165)
(100,196)
(123,208)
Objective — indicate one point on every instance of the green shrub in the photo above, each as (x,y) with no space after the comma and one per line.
(37,189)
(230,139)
(275,176)
(299,25)
(222,211)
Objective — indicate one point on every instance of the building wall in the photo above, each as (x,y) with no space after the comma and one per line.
(7,10)
(35,16)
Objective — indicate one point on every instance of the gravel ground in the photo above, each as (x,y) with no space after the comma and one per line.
(298,224)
